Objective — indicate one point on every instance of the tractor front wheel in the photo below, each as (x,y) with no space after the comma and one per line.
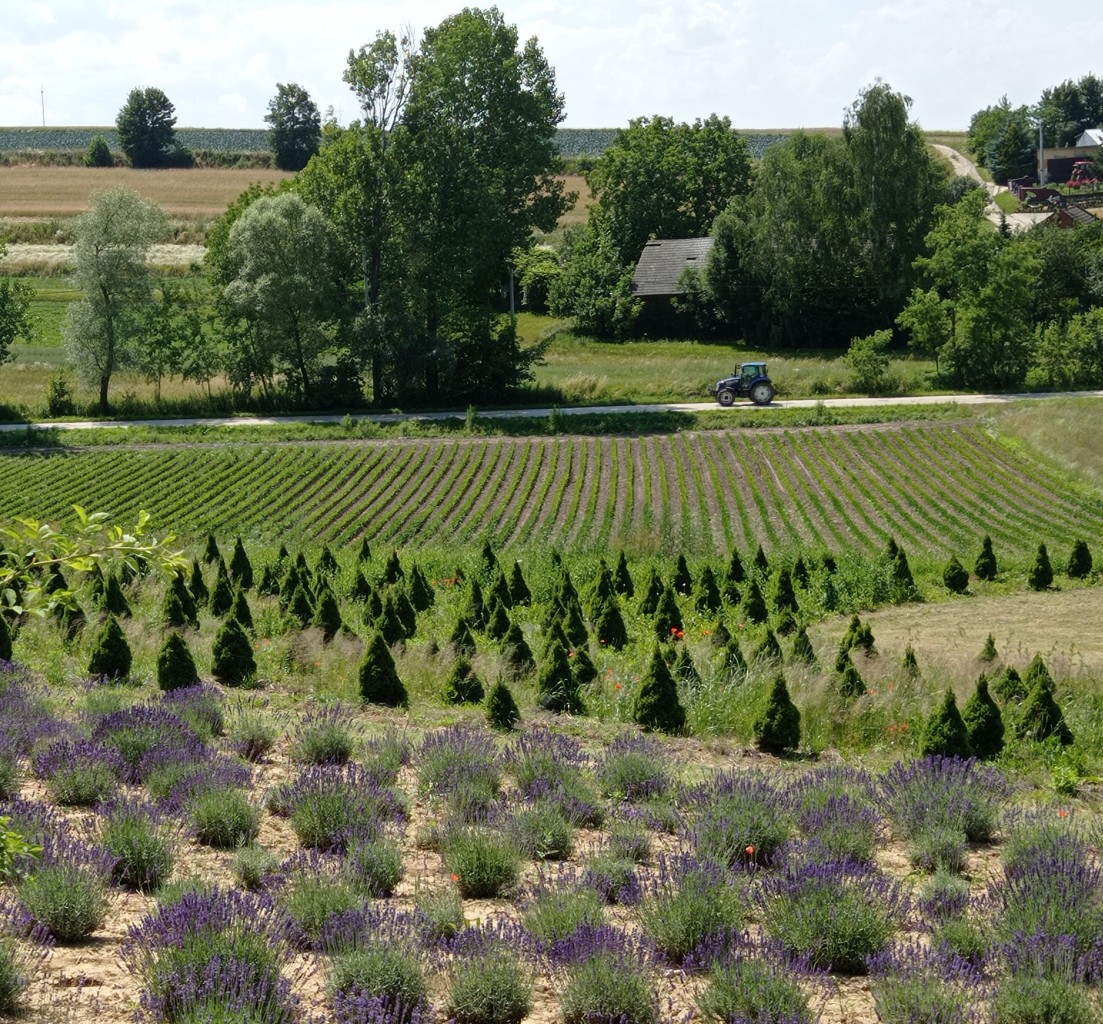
(762,393)
(725,396)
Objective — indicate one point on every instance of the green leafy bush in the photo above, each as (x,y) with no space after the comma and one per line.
(777,726)
(945,734)
(657,705)
(379,682)
(111,657)
(175,664)
(232,655)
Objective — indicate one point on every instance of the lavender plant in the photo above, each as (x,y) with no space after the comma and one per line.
(540,831)
(200,707)
(326,735)
(24,948)
(373,866)
(78,773)
(67,892)
(742,819)
(556,913)
(608,990)
(484,864)
(139,837)
(634,768)
(914,984)
(491,988)
(135,731)
(224,818)
(331,806)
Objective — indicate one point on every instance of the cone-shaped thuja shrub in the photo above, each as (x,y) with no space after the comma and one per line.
(944,734)
(706,594)
(1039,715)
(232,661)
(1041,572)
(1079,564)
(802,648)
(241,569)
(211,552)
(657,706)
(652,593)
(240,609)
(955,576)
(462,639)
(300,607)
(497,625)
(463,686)
(622,578)
(800,572)
(110,652)
(683,579)
(784,597)
(683,669)
(517,653)
(753,607)
(903,583)
(985,567)
(418,590)
(574,626)
(114,600)
(768,650)
(1009,687)
(363,552)
(777,725)
(733,578)
(501,708)
(475,610)
(556,684)
(393,571)
(519,593)
(97,585)
(668,617)
(848,680)
(609,626)
(406,612)
(499,591)
(327,616)
(175,664)
(172,611)
(988,652)
(222,595)
(179,586)
(983,722)
(389,624)
(582,666)
(326,564)
(379,682)
(602,589)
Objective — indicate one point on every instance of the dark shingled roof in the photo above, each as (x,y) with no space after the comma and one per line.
(662,262)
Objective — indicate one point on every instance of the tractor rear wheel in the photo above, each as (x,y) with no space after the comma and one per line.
(762,393)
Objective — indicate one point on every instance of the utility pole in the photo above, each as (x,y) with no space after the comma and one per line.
(42,96)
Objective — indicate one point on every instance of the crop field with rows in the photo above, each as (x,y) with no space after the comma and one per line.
(937,488)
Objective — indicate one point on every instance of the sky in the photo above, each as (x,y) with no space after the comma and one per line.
(763,63)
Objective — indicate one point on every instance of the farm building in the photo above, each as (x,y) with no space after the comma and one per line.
(1056,164)
(659,278)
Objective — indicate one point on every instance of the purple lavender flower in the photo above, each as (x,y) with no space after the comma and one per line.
(200,706)
(137,730)
(380,921)
(332,805)
(742,819)
(634,768)
(458,756)
(62,755)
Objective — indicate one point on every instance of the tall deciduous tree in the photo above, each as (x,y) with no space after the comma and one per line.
(102,330)
(295,131)
(146,127)
(283,286)
(15,302)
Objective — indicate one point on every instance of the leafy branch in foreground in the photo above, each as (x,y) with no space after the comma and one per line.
(33,554)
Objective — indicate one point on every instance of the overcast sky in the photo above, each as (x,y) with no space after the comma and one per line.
(763,63)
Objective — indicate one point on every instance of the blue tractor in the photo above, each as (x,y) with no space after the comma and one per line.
(750,381)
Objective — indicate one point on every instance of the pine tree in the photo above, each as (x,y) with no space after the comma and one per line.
(556,684)
(175,664)
(462,639)
(111,657)
(988,651)
(652,594)
(777,726)
(849,680)
(363,552)
(622,578)
(609,626)
(463,686)
(361,589)
(706,595)
(519,592)
(803,652)
(241,569)
(800,572)
(488,561)
(210,552)
(419,591)
(222,594)
(985,567)
(683,579)
(983,722)
(517,653)
(733,578)
(784,598)
(753,607)
(379,682)
(240,609)
(501,708)
(582,666)
(1080,561)
(232,655)
(668,617)
(944,734)
(498,623)
(684,670)
(475,610)
(910,664)
(1041,572)
(602,589)
(955,576)
(389,625)
(657,706)
(327,615)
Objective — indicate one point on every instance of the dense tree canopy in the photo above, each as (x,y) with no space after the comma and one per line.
(103,330)
(15,301)
(146,127)
(295,130)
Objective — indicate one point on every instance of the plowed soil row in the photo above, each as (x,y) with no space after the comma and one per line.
(937,489)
